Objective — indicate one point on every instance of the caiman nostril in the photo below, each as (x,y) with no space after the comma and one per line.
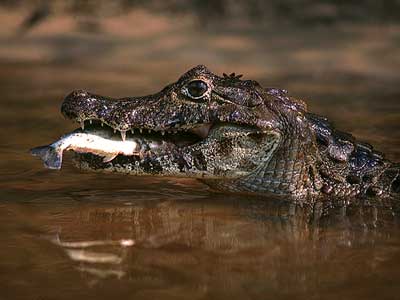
(76,95)
(79,93)
(75,102)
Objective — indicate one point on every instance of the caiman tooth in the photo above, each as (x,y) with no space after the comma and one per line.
(83,125)
(163,132)
(123,135)
(140,130)
(90,121)
(133,131)
(102,124)
(115,130)
(149,130)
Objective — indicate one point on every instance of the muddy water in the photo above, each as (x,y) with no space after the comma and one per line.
(77,235)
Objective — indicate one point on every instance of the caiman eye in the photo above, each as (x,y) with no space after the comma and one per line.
(196,89)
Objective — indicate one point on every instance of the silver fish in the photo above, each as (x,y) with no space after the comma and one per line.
(96,142)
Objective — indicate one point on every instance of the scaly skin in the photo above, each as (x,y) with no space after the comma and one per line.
(249,139)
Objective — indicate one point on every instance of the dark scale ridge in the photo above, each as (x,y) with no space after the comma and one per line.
(348,161)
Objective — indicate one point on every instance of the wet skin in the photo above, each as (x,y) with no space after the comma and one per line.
(235,136)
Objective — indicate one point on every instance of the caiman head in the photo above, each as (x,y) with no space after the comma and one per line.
(233,134)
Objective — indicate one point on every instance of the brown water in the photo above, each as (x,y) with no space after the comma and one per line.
(76,235)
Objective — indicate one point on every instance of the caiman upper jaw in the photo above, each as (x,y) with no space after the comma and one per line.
(80,106)
(121,115)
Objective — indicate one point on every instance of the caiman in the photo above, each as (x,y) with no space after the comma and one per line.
(232,134)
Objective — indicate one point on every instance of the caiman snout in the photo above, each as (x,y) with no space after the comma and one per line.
(82,106)
(153,112)
(131,114)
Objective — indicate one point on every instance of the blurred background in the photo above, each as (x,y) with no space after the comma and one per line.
(341,56)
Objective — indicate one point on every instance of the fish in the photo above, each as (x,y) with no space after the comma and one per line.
(95,142)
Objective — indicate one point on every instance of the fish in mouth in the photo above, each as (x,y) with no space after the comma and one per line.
(103,141)
(231,133)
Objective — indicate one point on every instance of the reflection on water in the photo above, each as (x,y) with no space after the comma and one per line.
(78,252)
(211,247)
(72,234)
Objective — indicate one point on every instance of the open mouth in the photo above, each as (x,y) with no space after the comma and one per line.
(136,120)
(179,136)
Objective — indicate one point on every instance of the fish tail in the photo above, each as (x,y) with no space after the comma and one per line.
(51,158)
